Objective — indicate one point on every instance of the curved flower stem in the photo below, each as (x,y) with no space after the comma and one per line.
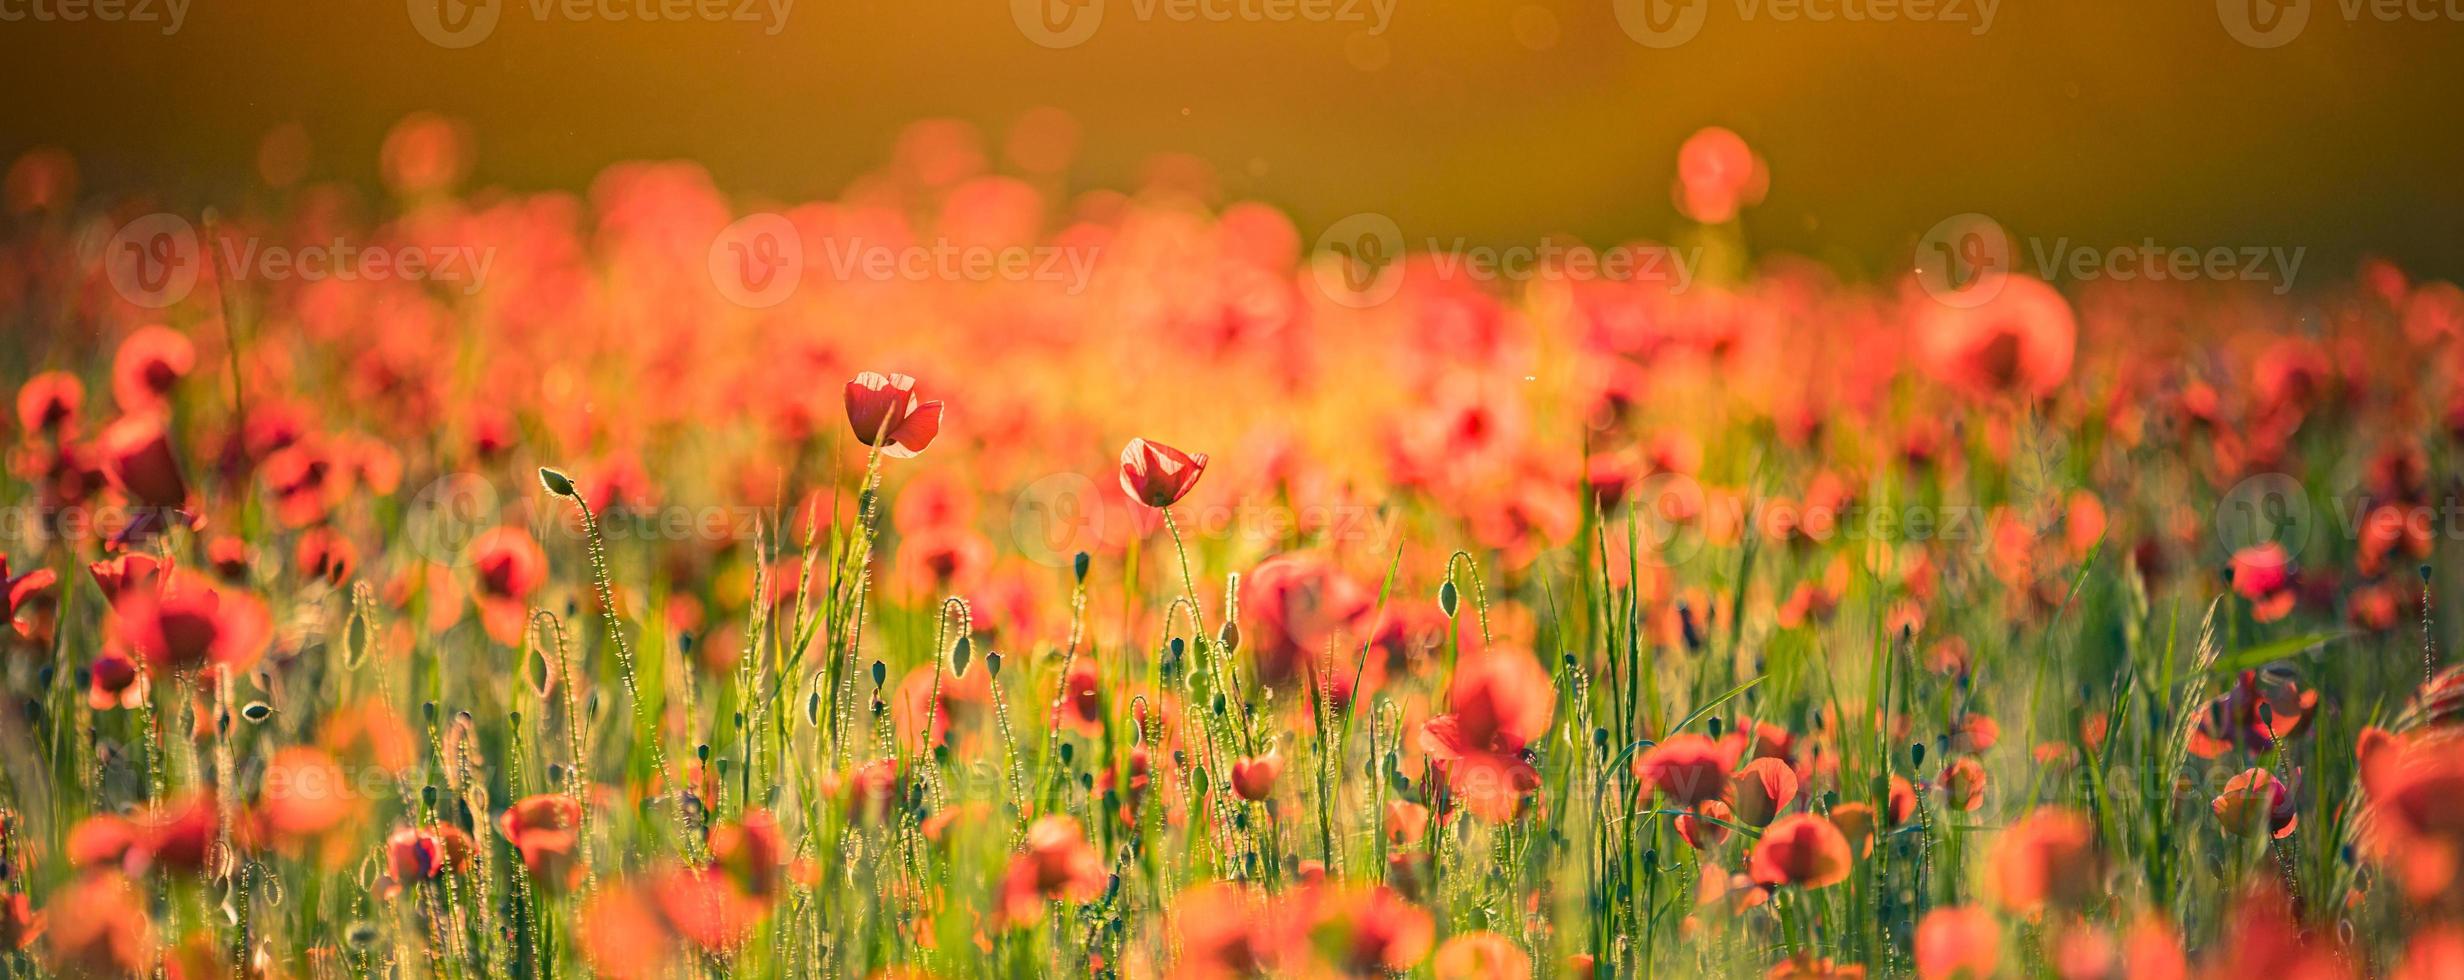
(633,688)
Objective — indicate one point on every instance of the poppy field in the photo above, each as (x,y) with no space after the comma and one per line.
(968,575)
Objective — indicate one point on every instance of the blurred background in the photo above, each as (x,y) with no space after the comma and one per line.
(2104,122)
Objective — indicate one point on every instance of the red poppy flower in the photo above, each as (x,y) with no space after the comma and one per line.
(114,681)
(325,555)
(508,566)
(2263,708)
(706,908)
(1856,822)
(2255,800)
(1963,784)
(1801,849)
(624,936)
(149,364)
(98,927)
(137,459)
(2018,341)
(1502,702)
(1368,931)
(1294,606)
(48,403)
(1687,769)
(886,413)
(1158,475)
(1763,788)
(2264,575)
(1957,943)
(749,849)
(134,571)
(2047,858)
(20,924)
(27,600)
(1807,966)
(306,794)
(192,623)
(545,830)
(423,853)
(1481,956)
(1717,173)
(1057,864)
(1710,829)
(1254,779)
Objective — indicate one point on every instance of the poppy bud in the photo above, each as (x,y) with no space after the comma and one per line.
(992,664)
(1079,563)
(1447,599)
(556,483)
(960,654)
(1229,637)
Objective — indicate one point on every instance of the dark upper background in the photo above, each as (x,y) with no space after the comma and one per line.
(2103,121)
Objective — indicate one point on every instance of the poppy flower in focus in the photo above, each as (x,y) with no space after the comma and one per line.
(1158,475)
(1687,769)
(1708,830)
(1764,788)
(546,829)
(1057,864)
(2255,800)
(886,413)
(415,854)
(2263,574)
(1801,849)
(2264,707)
(192,623)
(508,566)
(149,364)
(1957,943)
